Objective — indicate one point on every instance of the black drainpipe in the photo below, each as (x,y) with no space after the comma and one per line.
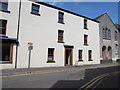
(18,34)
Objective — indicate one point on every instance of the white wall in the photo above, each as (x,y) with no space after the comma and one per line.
(12,21)
(42,31)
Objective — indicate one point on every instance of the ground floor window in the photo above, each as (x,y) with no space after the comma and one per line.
(6,51)
(50,54)
(90,55)
(80,55)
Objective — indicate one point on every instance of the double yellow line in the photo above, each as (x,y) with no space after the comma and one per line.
(95,80)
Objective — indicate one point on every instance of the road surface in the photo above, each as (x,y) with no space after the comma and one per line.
(106,77)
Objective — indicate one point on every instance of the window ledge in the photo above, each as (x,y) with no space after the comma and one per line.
(80,60)
(107,38)
(50,61)
(60,42)
(61,22)
(5,62)
(90,60)
(5,11)
(86,28)
(35,14)
(85,44)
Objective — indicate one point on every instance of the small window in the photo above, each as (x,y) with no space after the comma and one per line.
(103,33)
(85,39)
(115,35)
(106,31)
(116,48)
(90,55)
(3,24)
(85,24)
(4,5)
(80,55)
(61,17)
(60,35)
(50,54)
(35,9)
(109,34)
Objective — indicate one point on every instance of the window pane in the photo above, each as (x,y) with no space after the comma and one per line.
(60,20)
(60,38)
(3,26)
(35,7)
(50,53)
(4,6)
(5,52)
(34,11)
(61,14)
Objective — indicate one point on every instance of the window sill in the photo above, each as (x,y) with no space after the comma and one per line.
(5,11)
(80,60)
(1,35)
(86,28)
(50,61)
(61,22)
(90,60)
(5,62)
(61,42)
(85,44)
(106,38)
(35,14)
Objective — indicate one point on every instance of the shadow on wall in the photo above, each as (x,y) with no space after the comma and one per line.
(89,75)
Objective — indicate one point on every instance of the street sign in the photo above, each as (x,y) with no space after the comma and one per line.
(30,46)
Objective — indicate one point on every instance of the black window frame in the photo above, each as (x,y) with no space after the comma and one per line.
(3,27)
(85,40)
(33,9)
(61,17)
(60,36)
(90,55)
(51,55)
(4,9)
(85,24)
(80,55)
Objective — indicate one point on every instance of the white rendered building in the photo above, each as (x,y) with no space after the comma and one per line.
(59,37)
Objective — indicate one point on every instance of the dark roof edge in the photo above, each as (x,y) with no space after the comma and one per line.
(43,3)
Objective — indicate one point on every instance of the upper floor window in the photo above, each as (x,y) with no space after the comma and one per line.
(106,31)
(85,39)
(115,35)
(80,55)
(61,17)
(103,32)
(4,5)
(85,24)
(3,24)
(116,48)
(35,9)
(60,35)
(50,54)
(109,34)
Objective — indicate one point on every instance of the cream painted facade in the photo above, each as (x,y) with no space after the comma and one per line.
(42,31)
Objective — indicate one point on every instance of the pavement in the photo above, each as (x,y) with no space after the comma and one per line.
(25,71)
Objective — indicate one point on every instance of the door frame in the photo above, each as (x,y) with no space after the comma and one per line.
(71,54)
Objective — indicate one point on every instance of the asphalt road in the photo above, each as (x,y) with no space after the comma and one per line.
(74,79)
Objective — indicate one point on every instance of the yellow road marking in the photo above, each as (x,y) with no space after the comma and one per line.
(94,80)
(55,71)
(91,81)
